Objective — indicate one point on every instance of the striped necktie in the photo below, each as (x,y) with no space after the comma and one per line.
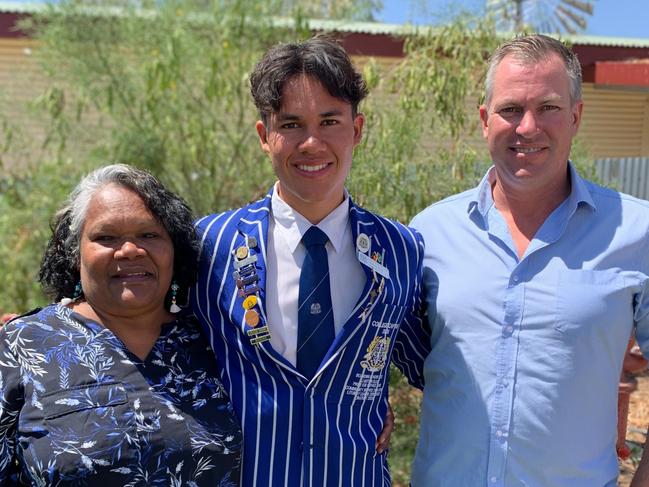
(315,321)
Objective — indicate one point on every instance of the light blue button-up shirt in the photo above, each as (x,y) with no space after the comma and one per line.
(521,383)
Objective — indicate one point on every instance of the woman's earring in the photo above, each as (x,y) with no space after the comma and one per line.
(78,292)
(174,308)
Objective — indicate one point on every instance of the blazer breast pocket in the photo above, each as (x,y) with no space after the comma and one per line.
(387,317)
(366,357)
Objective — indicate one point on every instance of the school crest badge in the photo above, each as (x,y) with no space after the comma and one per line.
(377,354)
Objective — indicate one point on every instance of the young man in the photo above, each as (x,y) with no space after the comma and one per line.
(305,295)
(537,278)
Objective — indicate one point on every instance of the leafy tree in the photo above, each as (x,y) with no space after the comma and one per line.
(335,9)
(27,202)
(420,116)
(163,88)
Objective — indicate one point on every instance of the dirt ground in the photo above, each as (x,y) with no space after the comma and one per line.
(637,428)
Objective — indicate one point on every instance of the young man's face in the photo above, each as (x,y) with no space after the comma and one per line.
(310,141)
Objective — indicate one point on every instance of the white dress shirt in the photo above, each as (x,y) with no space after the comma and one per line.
(284,262)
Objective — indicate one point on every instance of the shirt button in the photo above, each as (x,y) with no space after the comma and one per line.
(498,434)
(515,278)
(493,480)
(509,329)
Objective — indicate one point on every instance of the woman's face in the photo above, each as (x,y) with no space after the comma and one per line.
(127,255)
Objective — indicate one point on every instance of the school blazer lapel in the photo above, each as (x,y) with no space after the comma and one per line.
(362,222)
(254,226)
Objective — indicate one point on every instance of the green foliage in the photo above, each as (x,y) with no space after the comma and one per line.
(406,404)
(583,161)
(163,89)
(363,10)
(415,149)
(27,204)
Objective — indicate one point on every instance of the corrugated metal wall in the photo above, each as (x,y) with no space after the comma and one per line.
(615,122)
(629,175)
(21,79)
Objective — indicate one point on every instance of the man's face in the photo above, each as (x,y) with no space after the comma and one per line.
(310,143)
(530,123)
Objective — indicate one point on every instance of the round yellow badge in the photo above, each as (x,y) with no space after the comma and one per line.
(242,253)
(250,302)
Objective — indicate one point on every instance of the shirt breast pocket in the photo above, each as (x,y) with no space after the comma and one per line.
(87,427)
(83,398)
(589,300)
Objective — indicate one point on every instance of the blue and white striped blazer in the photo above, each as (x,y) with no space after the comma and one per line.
(320,432)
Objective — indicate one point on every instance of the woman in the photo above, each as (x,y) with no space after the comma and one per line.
(106,387)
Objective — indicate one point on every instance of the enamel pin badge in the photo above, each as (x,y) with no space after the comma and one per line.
(246,279)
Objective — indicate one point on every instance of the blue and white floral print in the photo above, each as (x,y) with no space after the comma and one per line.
(78,409)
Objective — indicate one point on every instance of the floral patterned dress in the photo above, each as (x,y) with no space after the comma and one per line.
(78,409)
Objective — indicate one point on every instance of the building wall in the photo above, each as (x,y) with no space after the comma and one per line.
(615,121)
(21,81)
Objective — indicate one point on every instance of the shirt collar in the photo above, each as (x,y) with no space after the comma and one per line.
(294,225)
(579,192)
(483,200)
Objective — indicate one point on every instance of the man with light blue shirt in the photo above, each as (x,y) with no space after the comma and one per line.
(534,281)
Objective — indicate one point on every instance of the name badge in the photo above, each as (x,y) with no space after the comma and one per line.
(251,259)
(374,265)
